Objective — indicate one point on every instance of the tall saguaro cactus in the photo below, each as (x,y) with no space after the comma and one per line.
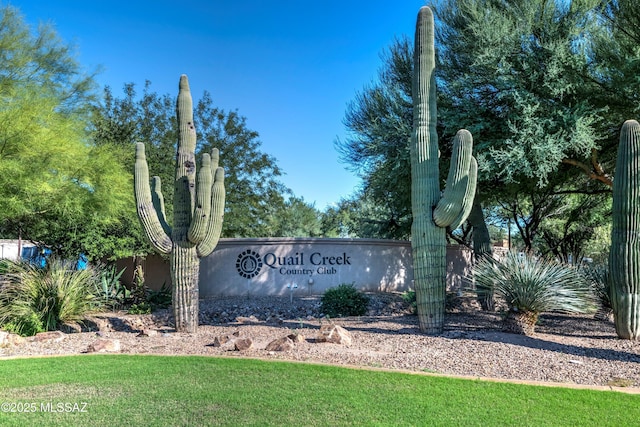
(624,257)
(434,211)
(198,209)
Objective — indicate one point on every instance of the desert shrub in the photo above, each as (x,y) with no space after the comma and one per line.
(34,298)
(161,298)
(530,286)
(113,293)
(140,308)
(344,300)
(27,325)
(410,298)
(598,277)
(6,266)
(136,298)
(144,300)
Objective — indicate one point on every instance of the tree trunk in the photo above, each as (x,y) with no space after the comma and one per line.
(520,322)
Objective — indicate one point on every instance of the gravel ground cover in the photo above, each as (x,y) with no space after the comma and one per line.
(566,349)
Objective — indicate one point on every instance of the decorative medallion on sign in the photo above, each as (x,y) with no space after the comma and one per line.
(249,264)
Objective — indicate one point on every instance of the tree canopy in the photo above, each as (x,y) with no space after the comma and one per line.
(257,203)
(54,184)
(379,122)
(518,75)
(526,78)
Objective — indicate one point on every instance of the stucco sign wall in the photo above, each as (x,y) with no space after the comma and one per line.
(278,266)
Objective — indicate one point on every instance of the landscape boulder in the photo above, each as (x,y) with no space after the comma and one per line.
(241,344)
(104,345)
(97,324)
(8,339)
(233,342)
(49,336)
(334,334)
(248,320)
(296,338)
(280,344)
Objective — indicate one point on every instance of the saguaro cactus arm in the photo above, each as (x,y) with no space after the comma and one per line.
(460,183)
(216,216)
(158,203)
(200,221)
(147,210)
(184,193)
(424,155)
(469,196)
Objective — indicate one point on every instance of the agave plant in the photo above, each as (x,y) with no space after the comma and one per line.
(530,286)
(34,298)
(112,292)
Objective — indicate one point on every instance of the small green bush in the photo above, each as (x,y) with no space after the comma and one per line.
(410,298)
(159,299)
(114,294)
(26,326)
(140,308)
(344,300)
(33,298)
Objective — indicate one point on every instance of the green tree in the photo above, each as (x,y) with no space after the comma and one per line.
(550,221)
(365,216)
(255,196)
(521,77)
(616,65)
(254,193)
(298,219)
(54,184)
(39,59)
(340,220)
(517,75)
(379,122)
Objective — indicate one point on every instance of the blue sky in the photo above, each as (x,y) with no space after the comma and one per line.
(290,67)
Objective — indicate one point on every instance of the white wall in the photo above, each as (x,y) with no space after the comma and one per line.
(9,248)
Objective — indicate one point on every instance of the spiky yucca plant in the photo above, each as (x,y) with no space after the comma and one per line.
(530,286)
(35,299)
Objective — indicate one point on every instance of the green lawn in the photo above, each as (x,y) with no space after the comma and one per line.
(118,390)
